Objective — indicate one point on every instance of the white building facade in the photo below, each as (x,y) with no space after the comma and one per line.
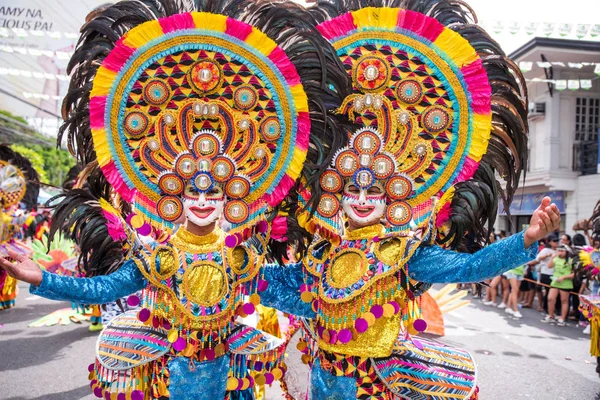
(564,127)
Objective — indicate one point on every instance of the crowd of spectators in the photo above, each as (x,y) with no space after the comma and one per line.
(551,283)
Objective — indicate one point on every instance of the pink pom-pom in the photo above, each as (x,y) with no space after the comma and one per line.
(361,325)
(262,285)
(231,241)
(248,308)
(133,301)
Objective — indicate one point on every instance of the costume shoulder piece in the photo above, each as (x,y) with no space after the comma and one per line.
(438,112)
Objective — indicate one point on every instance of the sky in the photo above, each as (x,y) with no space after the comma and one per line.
(575,12)
(66,16)
(525,11)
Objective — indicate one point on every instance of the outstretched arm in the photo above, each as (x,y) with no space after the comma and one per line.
(98,290)
(433,264)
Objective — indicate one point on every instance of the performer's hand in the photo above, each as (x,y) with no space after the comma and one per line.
(24,269)
(545,220)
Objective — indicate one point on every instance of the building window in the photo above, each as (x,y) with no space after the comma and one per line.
(585,146)
(587,119)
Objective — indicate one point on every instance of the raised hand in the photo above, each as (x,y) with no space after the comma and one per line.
(545,220)
(24,269)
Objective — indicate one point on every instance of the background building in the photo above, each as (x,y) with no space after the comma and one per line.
(564,120)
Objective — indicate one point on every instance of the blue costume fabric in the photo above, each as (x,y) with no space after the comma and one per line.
(430,264)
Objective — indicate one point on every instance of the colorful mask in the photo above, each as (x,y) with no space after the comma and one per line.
(12,185)
(203,208)
(225,111)
(363,206)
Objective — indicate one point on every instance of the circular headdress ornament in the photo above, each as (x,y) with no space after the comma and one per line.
(215,98)
(424,89)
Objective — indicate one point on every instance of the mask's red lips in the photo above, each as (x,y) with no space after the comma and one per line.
(363,211)
(201,212)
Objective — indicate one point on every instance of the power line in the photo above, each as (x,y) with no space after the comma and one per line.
(28,103)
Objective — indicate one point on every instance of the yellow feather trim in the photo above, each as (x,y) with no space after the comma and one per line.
(102,82)
(296,163)
(260,42)
(446,198)
(300,99)
(106,206)
(456,47)
(142,34)
(101,146)
(370,17)
(481,135)
(210,21)
(586,258)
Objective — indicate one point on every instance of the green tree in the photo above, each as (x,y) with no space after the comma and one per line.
(36,159)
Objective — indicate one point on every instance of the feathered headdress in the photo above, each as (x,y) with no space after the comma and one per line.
(19,182)
(440,107)
(221,93)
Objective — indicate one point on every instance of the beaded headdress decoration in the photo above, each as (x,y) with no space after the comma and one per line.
(13,185)
(422,97)
(205,99)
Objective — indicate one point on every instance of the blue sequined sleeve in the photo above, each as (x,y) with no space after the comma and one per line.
(432,264)
(97,290)
(283,292)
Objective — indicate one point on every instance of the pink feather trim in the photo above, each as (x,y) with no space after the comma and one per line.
(118,56)
(97,106)
(114,226)
(468,170)
(479,86)
(279,228)
(177,22)
(443,215)
(237,29)
(427,27)
(283,63)
(337,27)
(114,178)
(303,135)
(280,191)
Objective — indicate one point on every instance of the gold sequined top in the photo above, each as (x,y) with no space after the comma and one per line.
(195,281)
(361,284)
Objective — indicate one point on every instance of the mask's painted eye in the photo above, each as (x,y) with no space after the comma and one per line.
(216,191)
(352,189)
(374,191)
(190,190)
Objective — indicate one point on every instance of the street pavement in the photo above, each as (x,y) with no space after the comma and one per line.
(523,359)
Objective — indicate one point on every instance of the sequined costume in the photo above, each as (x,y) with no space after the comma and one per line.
(360,319)
(18,186)
(193,114)
(439,108)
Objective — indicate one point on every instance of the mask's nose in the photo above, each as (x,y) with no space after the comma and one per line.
(362,197)
(202,197)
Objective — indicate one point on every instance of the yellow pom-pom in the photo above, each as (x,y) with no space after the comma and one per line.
(172,336)
(255,299)
(306,297)
(137,221)
(232,383)
(370,318)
